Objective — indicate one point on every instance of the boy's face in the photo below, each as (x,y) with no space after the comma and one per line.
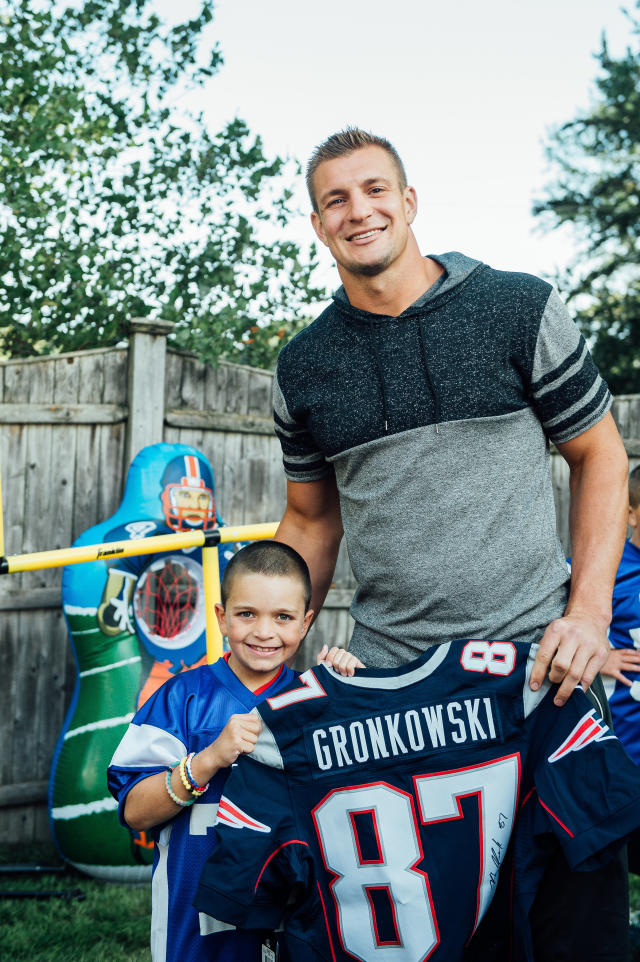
(264,621)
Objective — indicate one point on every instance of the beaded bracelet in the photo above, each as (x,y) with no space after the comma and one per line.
(195,788)
(183,774)
(172,794)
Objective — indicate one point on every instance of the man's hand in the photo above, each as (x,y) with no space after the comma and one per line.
(573,648)
(339,659)
(619,660)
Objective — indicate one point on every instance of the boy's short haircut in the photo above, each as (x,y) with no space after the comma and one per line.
(270,558)
(634,488)
(346,142)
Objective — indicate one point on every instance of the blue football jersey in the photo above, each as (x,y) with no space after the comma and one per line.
(375,815)
(185,715)
(625,633)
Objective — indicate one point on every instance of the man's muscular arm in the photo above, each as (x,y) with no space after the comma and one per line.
(575,646)
(313,526)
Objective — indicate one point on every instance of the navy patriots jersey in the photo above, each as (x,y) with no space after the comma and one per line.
(374,816)
(185,715)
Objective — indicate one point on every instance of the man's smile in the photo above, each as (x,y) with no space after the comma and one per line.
(364,235)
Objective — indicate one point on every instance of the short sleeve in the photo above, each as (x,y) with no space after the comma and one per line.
(588,789)
(568,392)
(303,461)
(258,858)
(152,742)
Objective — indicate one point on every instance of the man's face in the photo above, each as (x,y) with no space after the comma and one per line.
(363,213)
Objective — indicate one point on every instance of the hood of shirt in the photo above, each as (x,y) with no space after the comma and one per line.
(369,328)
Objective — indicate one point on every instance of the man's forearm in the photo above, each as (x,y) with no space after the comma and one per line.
(319,547)
(598,524)
(312,524)
(574,647)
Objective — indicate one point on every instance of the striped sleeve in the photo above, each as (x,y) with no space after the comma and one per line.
(302,459)
(568,392)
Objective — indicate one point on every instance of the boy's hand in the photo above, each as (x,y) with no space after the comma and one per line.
(238,737)
(619,660)
(339,659)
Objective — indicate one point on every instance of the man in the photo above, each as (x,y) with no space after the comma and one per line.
(417,410)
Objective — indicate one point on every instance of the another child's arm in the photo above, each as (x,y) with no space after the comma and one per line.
(149,803)
(339,659)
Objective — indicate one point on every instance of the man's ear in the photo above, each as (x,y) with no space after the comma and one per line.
(316,222)
(411,203)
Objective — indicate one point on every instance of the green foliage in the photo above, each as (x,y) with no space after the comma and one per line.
(117,202)
(598,193)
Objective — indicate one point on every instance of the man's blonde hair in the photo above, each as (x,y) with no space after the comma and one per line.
(346,142)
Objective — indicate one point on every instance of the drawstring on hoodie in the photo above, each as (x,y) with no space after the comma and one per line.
(383,391)
(372,344)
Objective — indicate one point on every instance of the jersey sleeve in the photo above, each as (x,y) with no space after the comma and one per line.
(568,392)
(587,787)
(302,459)
(258,858)
(155,739)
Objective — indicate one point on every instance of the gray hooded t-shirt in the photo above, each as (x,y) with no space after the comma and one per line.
(436,425)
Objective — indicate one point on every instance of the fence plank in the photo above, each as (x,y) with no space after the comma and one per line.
(62,448)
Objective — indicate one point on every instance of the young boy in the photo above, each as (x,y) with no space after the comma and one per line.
(623,663)
(169,769)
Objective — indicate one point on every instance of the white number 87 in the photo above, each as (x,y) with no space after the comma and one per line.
(495,785)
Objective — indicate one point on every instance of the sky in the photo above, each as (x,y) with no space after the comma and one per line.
(466,91)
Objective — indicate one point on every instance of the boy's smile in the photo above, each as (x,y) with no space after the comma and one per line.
(264,621)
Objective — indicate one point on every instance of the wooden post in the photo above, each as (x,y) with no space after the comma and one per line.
(145,386)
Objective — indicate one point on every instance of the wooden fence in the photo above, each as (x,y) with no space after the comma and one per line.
(69,427)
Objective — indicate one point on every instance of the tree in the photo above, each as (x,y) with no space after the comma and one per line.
(598,192)
(115,202)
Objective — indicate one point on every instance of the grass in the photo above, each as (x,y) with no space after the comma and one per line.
(110,923)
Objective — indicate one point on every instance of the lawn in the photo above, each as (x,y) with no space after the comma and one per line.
(108,923)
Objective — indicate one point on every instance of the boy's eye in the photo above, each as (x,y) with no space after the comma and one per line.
(283,617)
(245,614)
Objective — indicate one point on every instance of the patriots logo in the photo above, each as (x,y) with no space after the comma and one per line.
(589,729)
(233,817)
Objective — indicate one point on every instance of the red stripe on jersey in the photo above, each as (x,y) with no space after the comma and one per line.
(562,825)
(294,841)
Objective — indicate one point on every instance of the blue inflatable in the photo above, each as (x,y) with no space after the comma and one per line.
(133,623)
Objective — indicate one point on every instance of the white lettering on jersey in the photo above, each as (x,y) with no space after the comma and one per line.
(433,718)
(460,735)
(376,735)
(323,755)
(393,736)
(589,729)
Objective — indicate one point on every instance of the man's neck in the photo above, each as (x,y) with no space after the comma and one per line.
(395,289)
